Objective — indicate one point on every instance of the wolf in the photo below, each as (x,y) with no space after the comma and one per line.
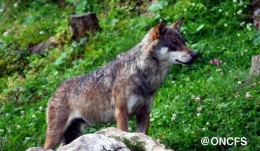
(122,88)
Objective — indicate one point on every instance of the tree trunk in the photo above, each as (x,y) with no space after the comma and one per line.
(83,25)
(255,4)
(255,65)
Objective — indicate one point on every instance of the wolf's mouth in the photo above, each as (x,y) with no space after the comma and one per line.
(187,63)
(194,56)
(182,62)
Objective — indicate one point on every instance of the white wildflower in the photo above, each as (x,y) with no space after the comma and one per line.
(248,95)
(218,70)
(41,32)
(173,117)
(197,99)
(199,109)
(239,12)
(242,23)
(40,108)
(22,112)
(16,4)
(226,13)
(248,26)
(237,96)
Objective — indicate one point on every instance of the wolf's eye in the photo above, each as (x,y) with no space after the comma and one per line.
(173,47)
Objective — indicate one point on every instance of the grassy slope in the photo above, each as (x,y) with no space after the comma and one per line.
(195,101)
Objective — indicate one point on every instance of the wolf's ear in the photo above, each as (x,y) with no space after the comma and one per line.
(178,23)
(159,30)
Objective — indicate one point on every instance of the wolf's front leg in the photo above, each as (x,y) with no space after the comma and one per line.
(122,119)
(121,112)
(143,117)
(143,121)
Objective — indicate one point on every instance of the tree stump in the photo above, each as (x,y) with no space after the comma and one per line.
(83,25)
(255,66)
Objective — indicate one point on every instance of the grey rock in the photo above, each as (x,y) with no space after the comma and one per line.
(110,139)
(94,142)
(38,149)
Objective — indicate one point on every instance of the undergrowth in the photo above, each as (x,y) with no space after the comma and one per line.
(215,97)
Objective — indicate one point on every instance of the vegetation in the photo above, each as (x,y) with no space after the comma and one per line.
(215,97)
(133,143)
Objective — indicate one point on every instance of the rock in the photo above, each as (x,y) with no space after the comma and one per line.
(149,144)
(111,139)
(38,149)
(94,142)
(43,46)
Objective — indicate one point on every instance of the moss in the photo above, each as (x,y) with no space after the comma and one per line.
(134,144)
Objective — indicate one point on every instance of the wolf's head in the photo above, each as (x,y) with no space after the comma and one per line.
(169,46)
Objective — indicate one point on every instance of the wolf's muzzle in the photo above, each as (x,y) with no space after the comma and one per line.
(194,56)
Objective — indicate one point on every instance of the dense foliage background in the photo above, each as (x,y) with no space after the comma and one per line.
(215,97)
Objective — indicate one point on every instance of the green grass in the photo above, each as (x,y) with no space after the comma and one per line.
(202,100)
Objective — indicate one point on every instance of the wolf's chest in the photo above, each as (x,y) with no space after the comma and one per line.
(135,104)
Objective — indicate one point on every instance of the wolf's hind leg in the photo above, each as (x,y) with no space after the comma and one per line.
(53,138)
(55,130)
(57,120)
